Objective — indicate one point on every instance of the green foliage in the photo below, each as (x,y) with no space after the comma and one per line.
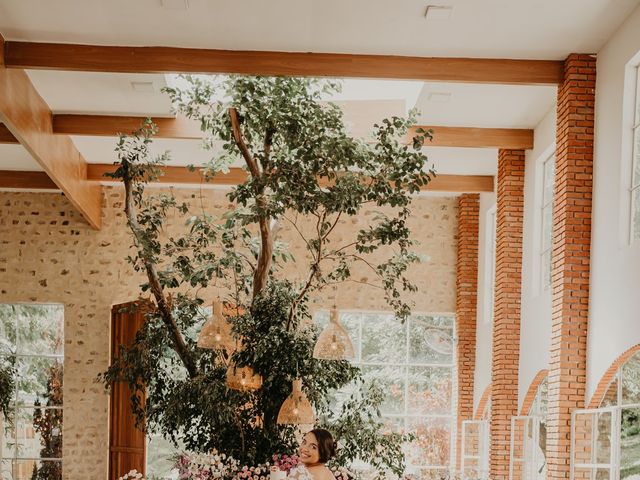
(301,164)
(7,387)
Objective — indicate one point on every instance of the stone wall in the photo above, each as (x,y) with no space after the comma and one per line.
(49,254)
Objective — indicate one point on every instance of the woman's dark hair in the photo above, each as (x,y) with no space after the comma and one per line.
(326,444)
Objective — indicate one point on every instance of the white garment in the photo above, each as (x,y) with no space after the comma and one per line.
(299,472)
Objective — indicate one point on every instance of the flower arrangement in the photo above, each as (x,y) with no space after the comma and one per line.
(343,473)
(132,475)
(197,466)
(285,462)
(217,465)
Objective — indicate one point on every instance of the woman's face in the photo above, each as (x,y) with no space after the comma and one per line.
(309,453)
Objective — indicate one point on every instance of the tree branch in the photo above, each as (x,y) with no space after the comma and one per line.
(266,246)
(154,279)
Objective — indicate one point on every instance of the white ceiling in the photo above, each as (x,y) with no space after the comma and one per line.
(548,29)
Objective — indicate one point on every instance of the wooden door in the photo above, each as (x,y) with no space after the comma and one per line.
(127,444)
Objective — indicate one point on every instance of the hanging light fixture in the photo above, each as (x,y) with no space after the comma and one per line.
(296,409)
(334,342)
(216,333)
(243,378)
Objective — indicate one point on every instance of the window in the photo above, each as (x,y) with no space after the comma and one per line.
(635,175)
(607,439)
(529,439)
(31,339)
(415,363)
(546,215)
(490,265)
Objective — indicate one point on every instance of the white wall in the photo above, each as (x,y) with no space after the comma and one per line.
(535,320)
(614,315)
(483,324)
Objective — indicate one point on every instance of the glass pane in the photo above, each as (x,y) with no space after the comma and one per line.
(160,457)
(39,379)
(472,439)
(603,438)
(635,222)
(547,226)
(549,177)
(432,444)
(582,435)
(38,433)
(636,157)
(522,435)
(40,329)
(583,473)
(631,380)
(603,474)
(434,474)
(383,339)
(611,395)
(471,469)
(545,269)
(7,330)
(352,324)
(392,380)
(31,469)
(637,95)
(429,390)
(431,340)
(630,443)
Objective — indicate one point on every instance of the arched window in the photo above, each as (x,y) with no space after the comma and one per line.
(529,433)
(624,387)
(606,437)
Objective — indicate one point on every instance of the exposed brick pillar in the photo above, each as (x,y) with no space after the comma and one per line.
(570,256)
(506,317)
(466,306)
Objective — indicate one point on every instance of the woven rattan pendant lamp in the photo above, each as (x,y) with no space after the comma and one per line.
(334,342)
(216,333)
(243,378)
(296,409)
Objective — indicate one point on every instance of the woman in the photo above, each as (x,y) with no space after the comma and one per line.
(316,449)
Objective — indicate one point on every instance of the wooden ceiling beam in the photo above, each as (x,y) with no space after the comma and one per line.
(29,119)
(183,175)
(126,59)
(182,128)
(6,136)
(26,180)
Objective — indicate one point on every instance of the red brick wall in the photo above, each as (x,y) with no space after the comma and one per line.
(466,304)
(570,256)
(506,323)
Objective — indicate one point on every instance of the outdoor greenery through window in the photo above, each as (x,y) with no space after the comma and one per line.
(32,350)
(635,181)
(414,362)
(548,180)
(624,392)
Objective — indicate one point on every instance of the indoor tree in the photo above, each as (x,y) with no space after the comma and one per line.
(303,170)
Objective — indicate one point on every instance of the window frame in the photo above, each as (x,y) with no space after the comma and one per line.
(31,407)
(490,264)
(634,183)
(544,206)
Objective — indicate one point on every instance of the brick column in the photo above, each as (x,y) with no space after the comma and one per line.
(506,317)
(466,306)
(570,256)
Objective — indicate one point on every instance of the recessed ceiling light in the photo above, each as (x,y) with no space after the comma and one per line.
(438,12)
(145,87)
(175,4)
(439,97)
